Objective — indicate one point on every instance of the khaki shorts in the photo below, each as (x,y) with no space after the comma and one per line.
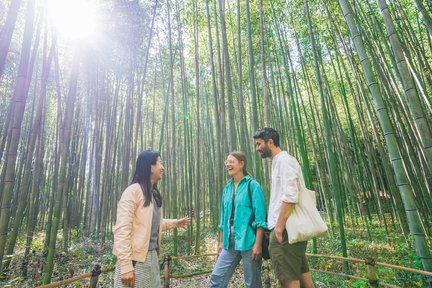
(289,260)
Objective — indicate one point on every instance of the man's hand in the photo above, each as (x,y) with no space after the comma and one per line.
(128,279)
(279,233)
(285,212)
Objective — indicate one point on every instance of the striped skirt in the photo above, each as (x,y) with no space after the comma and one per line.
(147,274)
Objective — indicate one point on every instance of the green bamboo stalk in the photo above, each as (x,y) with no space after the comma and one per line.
(18,102)
(416,229)
(329,146)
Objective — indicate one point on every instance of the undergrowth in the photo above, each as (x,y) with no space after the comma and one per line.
(83,253)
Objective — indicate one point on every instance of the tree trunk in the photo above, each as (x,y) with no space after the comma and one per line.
(64,153)
(7,31)
(18,106)
(232,141)
(336,189)
(401,177)
(410,89)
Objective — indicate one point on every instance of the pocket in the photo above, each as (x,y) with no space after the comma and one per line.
(272,237)
(137,243)
(284,237)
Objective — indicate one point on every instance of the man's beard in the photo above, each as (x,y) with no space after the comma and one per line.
(266,153)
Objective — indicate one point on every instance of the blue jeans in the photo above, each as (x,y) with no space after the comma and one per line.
(228,261)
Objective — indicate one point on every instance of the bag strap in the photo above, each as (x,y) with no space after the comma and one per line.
(250,200)
(249,192)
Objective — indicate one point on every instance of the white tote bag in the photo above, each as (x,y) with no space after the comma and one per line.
(305,222)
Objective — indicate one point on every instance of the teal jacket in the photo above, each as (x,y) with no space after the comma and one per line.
(244,231)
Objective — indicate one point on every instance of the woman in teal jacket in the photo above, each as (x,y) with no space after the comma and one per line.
(242,224)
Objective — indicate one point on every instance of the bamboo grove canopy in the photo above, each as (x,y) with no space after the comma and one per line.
(86,85)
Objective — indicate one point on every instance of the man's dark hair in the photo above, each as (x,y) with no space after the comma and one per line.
(267,134)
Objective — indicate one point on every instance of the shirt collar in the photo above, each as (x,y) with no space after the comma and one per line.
(245,178)
(279,154)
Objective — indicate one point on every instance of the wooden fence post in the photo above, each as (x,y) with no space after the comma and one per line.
(167,260)
(95,275)
(372,274)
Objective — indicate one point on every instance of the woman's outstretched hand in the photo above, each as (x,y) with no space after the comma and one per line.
(183,222)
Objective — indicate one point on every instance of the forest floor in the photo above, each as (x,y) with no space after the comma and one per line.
(83,253)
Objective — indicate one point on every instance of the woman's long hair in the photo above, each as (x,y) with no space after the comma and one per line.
(142,176)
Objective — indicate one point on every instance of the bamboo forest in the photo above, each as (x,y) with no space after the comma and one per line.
(86,85)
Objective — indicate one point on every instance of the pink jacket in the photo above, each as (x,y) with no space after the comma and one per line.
(133,227)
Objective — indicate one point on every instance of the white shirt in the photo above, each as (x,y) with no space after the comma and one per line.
(286,182)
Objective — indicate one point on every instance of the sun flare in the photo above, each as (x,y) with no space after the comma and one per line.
(77,19)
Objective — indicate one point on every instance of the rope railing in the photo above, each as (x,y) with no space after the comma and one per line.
(178,276)
(372,279)
(94,275)
(352,277)
(167,275)
(193,256)
(190,257)
(350,259)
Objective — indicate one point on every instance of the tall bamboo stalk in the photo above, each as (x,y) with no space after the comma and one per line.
(328,137)
(405,189)
(64,153)
(18,102)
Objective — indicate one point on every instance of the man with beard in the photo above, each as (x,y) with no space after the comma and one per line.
(289,260)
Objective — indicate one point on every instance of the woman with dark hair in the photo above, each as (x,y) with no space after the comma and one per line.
(242,224)
(138,226)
